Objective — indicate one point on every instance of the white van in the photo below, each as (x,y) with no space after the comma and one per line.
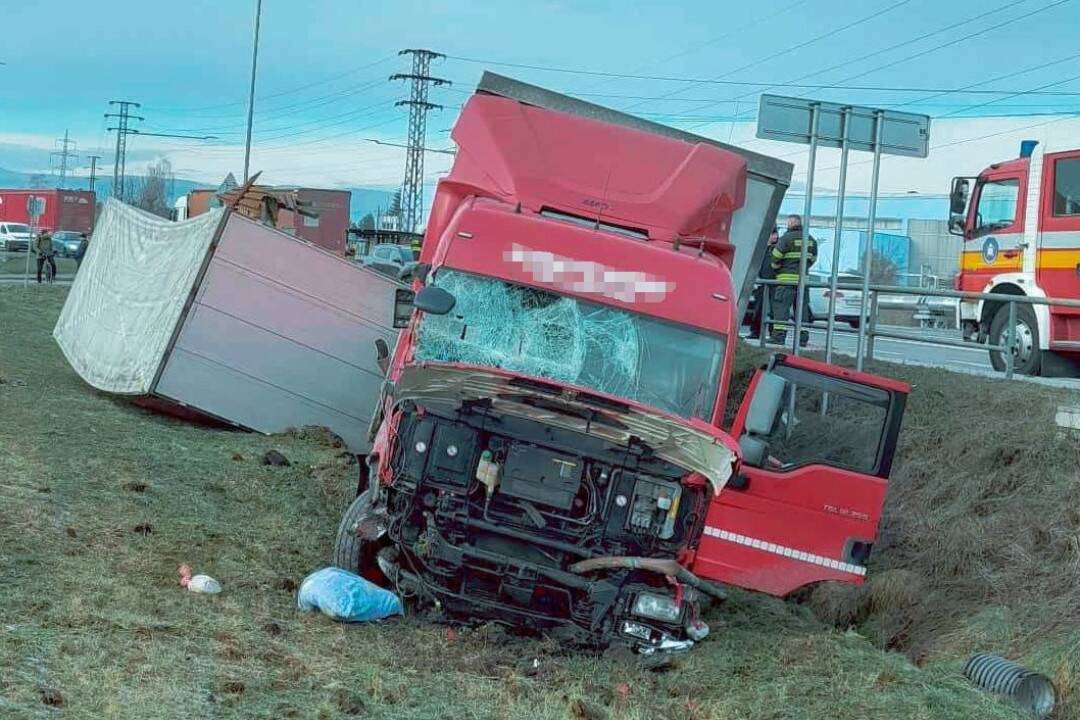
(14,236)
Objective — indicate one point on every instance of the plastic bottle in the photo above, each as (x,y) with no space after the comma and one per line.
(487,472)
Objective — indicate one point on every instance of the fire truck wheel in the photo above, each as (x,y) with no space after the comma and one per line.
(349,550)
(1027,358)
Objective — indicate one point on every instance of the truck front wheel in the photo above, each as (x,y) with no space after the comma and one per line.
(352,552)
(1027,357)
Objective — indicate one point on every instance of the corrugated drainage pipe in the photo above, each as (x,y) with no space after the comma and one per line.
(1031,690)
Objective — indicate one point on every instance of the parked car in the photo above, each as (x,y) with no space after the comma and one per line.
(389,259)
(65,243)
(847,301)
(14,236)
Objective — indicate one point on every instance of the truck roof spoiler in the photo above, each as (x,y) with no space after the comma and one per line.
(767,178)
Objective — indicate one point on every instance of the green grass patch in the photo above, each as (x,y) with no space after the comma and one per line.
(15,264)
(102,501)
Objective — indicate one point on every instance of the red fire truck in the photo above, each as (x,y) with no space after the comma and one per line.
(1021,233)
(551,450)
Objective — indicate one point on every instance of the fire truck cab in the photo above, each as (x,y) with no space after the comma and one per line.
(1020,221)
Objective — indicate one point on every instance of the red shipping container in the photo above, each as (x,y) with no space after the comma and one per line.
(64,209)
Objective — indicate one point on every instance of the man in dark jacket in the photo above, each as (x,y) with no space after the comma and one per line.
(45,254)
(785,262)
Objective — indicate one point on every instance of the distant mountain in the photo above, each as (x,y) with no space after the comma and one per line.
(368,200)
(364,200)
(17,180)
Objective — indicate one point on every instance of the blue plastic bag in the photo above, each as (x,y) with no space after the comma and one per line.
(346,596)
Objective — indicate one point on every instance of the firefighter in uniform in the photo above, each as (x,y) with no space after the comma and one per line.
(415,246)
(785,261)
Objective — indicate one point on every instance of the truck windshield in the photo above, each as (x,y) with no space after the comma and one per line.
(535,332)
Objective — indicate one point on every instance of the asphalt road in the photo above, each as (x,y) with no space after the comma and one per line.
(972,361)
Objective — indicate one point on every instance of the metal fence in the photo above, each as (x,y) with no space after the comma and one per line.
(876,303)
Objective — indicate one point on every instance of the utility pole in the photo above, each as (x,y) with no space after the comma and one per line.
(251,94)
(412,189)
(93,170)
(64,153)
(122,131)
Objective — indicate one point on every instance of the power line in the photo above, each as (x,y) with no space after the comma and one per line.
(187,110)
(817,38)
(965,38)
(936,48)
(744,83)
(412,189)
(884,50)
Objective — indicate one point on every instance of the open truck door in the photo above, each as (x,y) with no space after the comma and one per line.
(817,443)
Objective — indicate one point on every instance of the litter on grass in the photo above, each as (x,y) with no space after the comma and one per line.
(346,597)
(198,583)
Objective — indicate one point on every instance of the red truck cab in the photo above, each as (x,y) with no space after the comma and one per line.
(1020,224)
(549,452)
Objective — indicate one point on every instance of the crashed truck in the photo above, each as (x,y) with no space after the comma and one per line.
(551,450)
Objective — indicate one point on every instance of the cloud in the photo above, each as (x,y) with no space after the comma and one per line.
(962,146)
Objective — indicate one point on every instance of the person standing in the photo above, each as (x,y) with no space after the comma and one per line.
(81,251)
(786,257)
(765,272)
(44,249)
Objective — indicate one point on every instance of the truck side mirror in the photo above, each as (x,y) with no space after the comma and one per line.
(403,307)
(958,197)
(958,201)
(434,300)
(382,355)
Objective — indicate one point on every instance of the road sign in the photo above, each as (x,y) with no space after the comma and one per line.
(35,206)
(789,119)
(848,127)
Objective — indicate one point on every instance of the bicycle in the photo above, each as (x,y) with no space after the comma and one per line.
(50,268)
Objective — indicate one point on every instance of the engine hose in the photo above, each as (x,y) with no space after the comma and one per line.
(1028,688)
(656,565)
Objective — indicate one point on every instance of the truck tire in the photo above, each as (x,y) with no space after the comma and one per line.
(348,548)
(1027,358)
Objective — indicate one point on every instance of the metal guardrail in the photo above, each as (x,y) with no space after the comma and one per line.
(873,306)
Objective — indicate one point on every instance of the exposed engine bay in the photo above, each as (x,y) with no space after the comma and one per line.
(499,517)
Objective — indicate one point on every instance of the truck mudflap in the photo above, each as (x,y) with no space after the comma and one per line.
(817,444)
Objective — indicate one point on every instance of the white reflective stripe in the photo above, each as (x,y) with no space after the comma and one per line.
(1031,212)
(800,555)
(1061,239)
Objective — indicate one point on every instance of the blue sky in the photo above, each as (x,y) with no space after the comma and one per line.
(324,63)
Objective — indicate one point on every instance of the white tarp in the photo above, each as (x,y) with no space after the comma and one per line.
(128,295)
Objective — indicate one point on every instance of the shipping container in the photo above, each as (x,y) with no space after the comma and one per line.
(64,209)
(234,321)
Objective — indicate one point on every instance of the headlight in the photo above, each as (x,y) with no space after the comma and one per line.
(657,607)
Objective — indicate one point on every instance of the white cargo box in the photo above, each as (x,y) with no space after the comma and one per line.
(225,318)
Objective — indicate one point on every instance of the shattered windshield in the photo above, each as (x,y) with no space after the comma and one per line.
(535,332)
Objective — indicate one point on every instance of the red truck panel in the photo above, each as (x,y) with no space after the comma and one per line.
(517,153)
(64,209)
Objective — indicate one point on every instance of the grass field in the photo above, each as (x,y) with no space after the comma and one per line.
(15,264)
(102,501)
